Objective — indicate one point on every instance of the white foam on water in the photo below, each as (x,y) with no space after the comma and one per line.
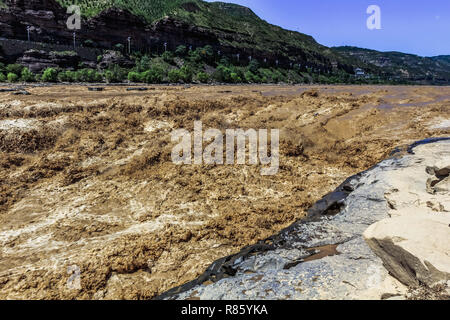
(17,124)
(444,124)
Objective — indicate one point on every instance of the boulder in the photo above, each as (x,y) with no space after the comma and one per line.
(443,186)
(439,182)
(111,58)
(89,64)
(39,60)
(414,243)
(36,60)
(444,172)
(65,59)
(414,248)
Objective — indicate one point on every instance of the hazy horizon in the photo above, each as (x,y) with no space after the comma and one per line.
(411,26)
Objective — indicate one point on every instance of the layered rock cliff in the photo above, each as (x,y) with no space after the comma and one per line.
(46,20)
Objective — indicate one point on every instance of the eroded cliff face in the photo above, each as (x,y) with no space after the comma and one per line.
(47,21)
(45,17)
(38,60)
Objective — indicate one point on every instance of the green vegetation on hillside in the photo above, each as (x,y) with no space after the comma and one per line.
(442,61)
(254,33)
(183,66)
(149,10)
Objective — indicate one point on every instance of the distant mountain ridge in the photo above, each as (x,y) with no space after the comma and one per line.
(399,65)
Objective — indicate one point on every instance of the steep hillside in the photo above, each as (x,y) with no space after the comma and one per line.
(228,28)
(149,10)
(400,65)
(443,61)
(252,32)
(234,31)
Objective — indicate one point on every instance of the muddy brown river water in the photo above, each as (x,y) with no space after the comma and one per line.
(88,189)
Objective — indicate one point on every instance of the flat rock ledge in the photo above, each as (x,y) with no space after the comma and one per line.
(382,234)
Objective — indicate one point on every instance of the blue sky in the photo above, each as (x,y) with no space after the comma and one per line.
(411,26)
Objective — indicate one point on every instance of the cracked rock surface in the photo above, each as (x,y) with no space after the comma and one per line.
(414,243)
(327,256)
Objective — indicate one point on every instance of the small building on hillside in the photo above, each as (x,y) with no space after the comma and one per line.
(359,72)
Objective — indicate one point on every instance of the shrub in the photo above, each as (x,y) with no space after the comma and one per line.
(174,76)
(109,76)
(14,68)
(253,66)
(2,77)
(202,77)
(186,73)
(67,76)
(88,75)
(154,75)
(115,74)
(278,76)
(50,75)
(70,53)
(235,78)
(206,53)
(249,77)
(143,63)
(257,79)
(167,56)
(119,47)
(27,75)
(230,74)
(266,75)
(89,43)
(181,51)
(224,61)
(195,56)
(12,77)
(134,76)
(222,74)
(294,77)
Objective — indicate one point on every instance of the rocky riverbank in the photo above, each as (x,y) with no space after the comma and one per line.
(382,234)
